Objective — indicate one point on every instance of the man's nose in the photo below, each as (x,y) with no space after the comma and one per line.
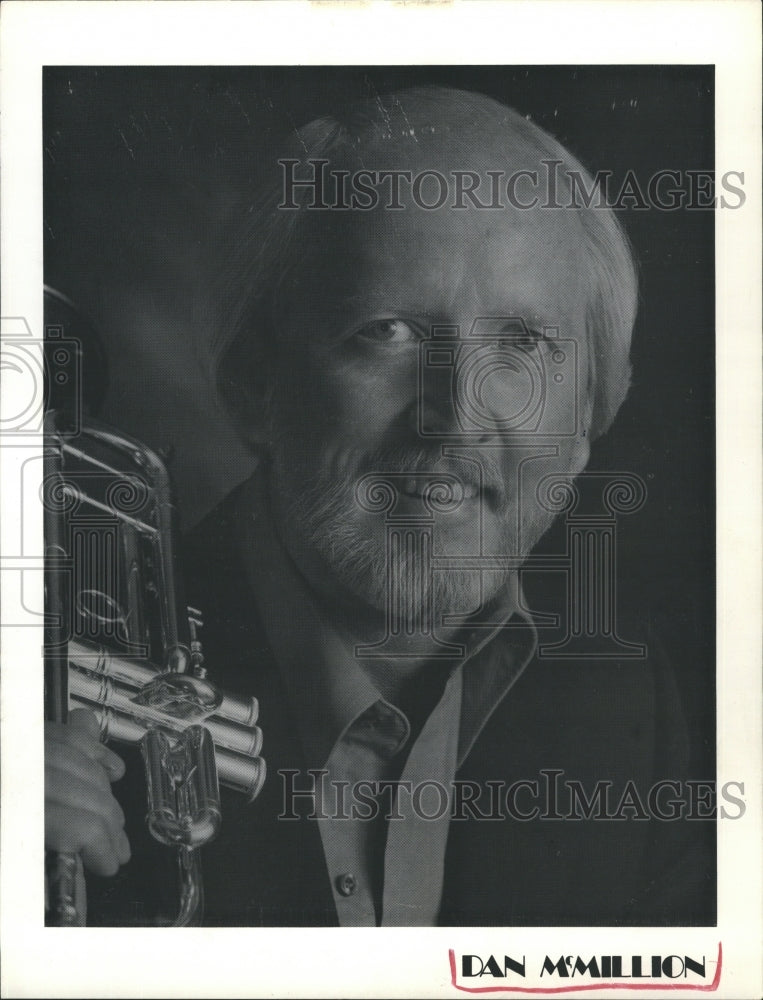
(442,406)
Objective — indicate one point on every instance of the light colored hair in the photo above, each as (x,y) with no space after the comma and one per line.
(269,241)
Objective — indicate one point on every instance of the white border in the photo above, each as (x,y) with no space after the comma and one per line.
(383,962)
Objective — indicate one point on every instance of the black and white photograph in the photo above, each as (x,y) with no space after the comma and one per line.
(378,482)
(388,341)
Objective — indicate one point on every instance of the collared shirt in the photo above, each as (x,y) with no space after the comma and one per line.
(384,797)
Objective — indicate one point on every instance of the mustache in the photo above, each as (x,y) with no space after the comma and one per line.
(323,513)
(483,473)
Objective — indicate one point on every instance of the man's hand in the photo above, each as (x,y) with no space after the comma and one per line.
(81,815)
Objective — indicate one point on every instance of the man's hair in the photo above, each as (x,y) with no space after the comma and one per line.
(270,241)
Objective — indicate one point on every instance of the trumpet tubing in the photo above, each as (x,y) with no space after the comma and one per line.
(97,659)
(244,773)
(123,643)
(104,691)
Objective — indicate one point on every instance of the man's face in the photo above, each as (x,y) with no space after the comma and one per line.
(351,397)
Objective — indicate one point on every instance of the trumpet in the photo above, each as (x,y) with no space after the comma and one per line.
(122,642)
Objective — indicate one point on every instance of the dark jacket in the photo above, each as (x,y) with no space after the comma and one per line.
(595,721)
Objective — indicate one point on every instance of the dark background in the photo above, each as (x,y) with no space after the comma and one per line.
(146,167)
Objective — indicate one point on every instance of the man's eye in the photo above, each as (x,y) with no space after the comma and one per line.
(388,331)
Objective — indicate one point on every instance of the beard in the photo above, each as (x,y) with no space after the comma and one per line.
(390,572)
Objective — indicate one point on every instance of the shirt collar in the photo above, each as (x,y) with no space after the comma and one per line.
(326,686)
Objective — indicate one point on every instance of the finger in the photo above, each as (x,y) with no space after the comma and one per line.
(82,736)
(113,764)
(85,721)
(83,786)
(72,831)
(122,848)
(87,829)
(65,762)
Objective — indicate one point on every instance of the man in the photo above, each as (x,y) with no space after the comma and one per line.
(421,347)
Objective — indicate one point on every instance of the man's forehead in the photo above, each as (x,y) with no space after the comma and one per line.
(378,271)
(367,253)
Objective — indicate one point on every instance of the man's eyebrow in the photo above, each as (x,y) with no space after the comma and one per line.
(374,300)
(377,304)
(376,297)
(350,308)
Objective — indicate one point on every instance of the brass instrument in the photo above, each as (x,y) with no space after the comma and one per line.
(122,642)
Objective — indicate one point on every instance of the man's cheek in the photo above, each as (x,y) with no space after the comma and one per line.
(362,409)
(306,411)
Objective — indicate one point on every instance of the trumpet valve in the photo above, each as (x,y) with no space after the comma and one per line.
(183,792)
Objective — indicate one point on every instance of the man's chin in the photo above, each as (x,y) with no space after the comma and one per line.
(409,599)
(387,563)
